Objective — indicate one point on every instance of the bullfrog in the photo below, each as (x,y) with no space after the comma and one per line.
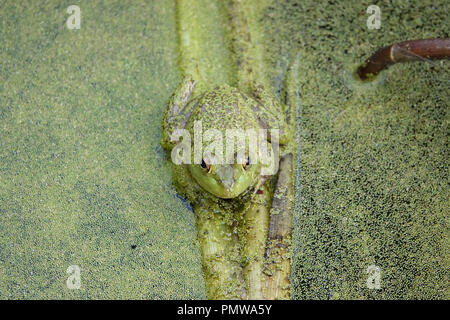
(231,193)
(221,109)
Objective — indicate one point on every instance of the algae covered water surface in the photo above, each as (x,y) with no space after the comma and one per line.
(84,181)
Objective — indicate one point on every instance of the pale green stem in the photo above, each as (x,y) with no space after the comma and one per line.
(248,43)
(256,228)
(205,49)
(221,255)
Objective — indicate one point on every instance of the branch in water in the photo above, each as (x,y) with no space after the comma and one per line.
(414,50)
(278,251)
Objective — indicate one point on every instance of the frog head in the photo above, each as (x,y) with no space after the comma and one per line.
(226,180)
(219,111)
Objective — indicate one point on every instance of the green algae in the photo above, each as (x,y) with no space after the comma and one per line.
(80,161)
(373,172)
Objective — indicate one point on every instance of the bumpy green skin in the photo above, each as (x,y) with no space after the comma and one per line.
(222,108)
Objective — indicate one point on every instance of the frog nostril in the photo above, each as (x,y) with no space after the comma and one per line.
(228,184)
(226,177)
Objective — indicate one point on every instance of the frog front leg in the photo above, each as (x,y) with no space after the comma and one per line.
(272,115)
(278,260)
(177,112)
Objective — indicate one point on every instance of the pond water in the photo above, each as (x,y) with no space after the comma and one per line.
(85,182)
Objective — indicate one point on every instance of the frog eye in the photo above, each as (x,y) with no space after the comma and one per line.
(205,166)
(246,163)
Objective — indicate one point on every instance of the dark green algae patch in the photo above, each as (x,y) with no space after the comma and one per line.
(373,168)
(85,182)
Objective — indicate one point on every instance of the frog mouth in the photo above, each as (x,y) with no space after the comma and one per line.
(243,194)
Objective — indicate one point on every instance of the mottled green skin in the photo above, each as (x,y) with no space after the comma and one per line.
(222,108)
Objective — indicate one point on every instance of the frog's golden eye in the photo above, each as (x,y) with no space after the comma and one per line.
(246,163)
(205,166)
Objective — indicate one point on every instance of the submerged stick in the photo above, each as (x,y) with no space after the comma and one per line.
(278,253)
(248,44)
(221,255)
(278,250)
(256,224)
(414,50)
(204,49)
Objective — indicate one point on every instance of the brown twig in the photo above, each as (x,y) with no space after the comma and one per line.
(414,50)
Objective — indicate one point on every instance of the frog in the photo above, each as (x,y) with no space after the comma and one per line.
(222,108)
(231,200)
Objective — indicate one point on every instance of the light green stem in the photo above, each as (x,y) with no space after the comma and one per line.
(205,47)
(221,255)
(248,43)
(256,227)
